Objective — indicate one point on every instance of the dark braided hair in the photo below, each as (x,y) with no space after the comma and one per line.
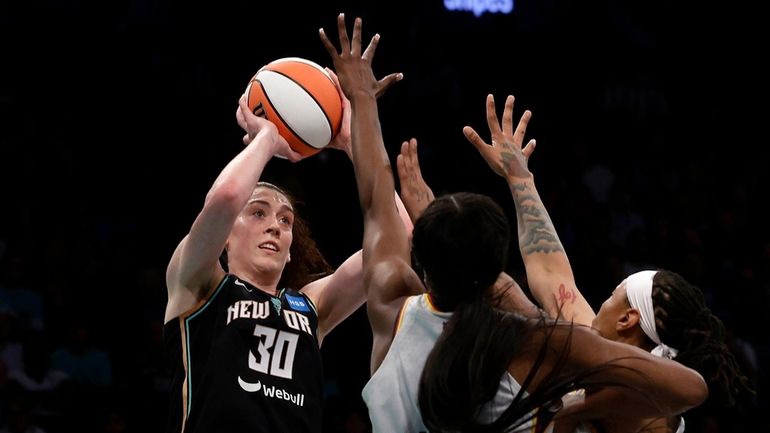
(684,322)
(307,262)
(461,242)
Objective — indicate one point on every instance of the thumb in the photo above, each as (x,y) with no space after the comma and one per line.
(293,156)
(472,136)
(388,81)
(529,148)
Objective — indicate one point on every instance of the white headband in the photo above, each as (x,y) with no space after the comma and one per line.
(639,294)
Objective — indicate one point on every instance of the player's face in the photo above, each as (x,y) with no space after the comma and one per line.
(611,311)
(263,231)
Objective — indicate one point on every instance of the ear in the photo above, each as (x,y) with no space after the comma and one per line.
(628,320)
(288,258)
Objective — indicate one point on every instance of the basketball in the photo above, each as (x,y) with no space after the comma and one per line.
(300,98)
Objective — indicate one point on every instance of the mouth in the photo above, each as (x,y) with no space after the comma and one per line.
(269,246)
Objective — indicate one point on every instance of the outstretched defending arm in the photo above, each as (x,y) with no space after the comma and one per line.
(417,195)
(338,295)
(548,269)
(388,277)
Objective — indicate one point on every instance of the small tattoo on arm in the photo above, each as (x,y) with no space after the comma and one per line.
(566,296)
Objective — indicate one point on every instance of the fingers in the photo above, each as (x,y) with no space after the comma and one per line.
(405,160)
(405,149)
(369,52)
(401,168)
(334,77)
(243,105)
(245,111)
(355,48)
(408,165)
(414,162)
(330,48)
(529,148)
(508,117)
(521,129)
(342,140)
(346,112)
(343,34)
(293,156)
(240,118)
(492,122)
(474,138)
(387,81)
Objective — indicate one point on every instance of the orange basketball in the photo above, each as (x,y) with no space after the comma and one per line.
(300,98)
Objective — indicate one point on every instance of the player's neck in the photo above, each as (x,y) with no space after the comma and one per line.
(261,280)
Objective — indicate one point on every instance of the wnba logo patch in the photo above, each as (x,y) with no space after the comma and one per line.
(296,303)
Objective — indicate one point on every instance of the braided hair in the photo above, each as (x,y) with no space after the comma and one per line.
(683,321)
(461,243)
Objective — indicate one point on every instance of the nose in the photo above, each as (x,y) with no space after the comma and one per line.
(273,228)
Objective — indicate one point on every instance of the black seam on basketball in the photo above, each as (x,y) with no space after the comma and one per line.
(284,120)
(326,116)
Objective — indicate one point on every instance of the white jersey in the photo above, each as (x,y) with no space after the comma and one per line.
(391,393)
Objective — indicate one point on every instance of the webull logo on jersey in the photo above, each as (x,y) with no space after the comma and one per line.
(272,392)
(297,303)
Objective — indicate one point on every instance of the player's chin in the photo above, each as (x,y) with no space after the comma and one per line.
(272,263)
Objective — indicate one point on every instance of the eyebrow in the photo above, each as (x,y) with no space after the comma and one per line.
(283,206)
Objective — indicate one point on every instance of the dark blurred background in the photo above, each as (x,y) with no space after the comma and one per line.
(117,116)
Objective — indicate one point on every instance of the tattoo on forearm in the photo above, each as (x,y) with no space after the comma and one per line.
(536,231)
(519,187)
